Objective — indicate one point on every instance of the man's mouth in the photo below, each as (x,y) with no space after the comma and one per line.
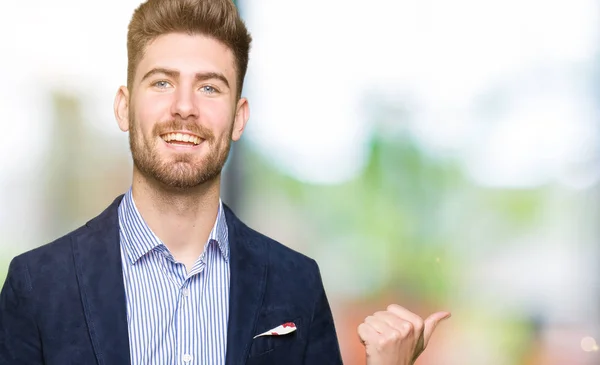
(182,139)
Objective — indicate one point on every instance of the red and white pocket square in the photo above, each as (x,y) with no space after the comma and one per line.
(283,329)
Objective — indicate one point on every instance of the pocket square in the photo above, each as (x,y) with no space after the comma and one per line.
(283,329)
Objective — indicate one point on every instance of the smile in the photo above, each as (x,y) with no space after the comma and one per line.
(181,138)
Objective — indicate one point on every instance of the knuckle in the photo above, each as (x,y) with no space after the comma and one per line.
(419,325)
(373,321)
(393,307)
(395,336)
(363,334)
(408,327)
(381,344)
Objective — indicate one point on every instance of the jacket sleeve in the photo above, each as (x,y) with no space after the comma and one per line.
(322,346)
(19,336)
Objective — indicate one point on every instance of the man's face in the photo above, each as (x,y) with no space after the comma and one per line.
(183,110)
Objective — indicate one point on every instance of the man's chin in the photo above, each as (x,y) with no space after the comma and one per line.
(185,181)
(170,183)
(178,174)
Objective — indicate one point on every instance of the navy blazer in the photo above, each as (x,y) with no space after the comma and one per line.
(64,302)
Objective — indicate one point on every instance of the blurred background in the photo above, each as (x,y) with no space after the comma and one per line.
(442,155)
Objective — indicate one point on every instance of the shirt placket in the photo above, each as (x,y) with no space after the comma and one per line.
(176,273)
(188,322)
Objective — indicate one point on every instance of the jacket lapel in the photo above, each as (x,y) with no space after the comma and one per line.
(99,273)
(248,269)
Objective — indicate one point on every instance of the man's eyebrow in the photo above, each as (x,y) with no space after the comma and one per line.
(161,70)
(203,76)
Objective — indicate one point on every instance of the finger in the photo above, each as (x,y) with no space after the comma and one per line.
(401,325)
(431,323)
(379,324)
(407,315)
(367,334)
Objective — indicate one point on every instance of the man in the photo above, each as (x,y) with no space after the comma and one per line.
(167,274)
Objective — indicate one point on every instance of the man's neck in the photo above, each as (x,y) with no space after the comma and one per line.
(181,219)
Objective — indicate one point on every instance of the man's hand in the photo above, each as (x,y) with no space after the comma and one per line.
(397,336)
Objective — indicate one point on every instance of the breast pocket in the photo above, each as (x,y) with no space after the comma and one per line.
(266,344)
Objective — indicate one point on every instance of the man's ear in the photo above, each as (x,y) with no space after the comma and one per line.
(242,114)
(121,107)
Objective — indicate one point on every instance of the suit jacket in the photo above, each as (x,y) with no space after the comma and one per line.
(64,302)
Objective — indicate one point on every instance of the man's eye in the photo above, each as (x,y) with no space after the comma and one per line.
(162,84)
(209,89)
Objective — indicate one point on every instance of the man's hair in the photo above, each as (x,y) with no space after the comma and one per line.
(217,19)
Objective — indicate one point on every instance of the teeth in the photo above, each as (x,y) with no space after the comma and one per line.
(181,138)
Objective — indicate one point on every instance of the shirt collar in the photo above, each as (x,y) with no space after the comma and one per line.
(138,238)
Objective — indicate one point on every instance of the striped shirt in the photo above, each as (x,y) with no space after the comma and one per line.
(174,317)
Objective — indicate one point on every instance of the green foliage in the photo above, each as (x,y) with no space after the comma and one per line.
(400,219)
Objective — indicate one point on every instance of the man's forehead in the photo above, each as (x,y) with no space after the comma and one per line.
(188,54)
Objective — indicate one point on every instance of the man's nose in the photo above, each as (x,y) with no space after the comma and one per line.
(185,104)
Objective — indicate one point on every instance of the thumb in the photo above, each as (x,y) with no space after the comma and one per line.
(431,323)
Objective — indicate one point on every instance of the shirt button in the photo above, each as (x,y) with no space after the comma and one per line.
(187,358)
(185,292)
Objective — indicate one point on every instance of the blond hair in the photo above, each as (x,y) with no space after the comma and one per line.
(217,19)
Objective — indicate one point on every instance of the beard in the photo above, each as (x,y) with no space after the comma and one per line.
(184,170)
